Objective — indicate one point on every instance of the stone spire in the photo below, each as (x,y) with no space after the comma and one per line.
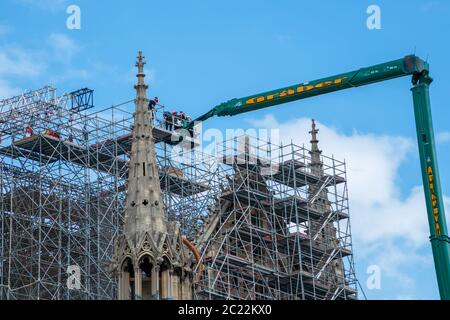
(141,87)
(316,163)
(323,230)
(144,210)
(150,260)
(316,167)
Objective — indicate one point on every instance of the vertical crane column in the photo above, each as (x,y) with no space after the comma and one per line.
(440,241)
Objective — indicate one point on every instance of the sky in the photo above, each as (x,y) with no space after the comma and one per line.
(202,53)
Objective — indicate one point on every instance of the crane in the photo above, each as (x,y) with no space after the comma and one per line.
(410,65)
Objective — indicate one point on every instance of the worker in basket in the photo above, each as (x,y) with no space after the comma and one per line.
(152,108)
(168,120)
(176,120)
(184,119)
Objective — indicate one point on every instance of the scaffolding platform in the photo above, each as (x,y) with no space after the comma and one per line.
(102,156)
(63,190)
(250,162)
(123,143)
(298,210)
(43,145)
(239,262)
(62,201)
(253,251)
(254,234)
(301,178)
(295,209)
(50,149)
(245,195)
(180,185)
(327,292)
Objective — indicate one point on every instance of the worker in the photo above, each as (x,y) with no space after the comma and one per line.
(185,119)
(176,120)
(168,120)
(152,104)
(29,132)
(152,107)
(85,134)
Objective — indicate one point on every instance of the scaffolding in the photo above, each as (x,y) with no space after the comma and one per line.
(280,228)
(63,172)
(268,225)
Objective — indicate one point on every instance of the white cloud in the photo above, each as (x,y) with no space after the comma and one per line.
(372,167)
(14,63)
(150,76)
(283,38)
(395,258)
(54,63)
(7,91)
(432,6)
(64,47)
(48,5)
(388,229)
(19,62)
(443,137)
(4,29)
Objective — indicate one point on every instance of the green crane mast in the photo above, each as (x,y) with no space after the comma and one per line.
(408,66)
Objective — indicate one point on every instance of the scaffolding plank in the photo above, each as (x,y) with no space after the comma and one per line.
(301,178)
(180,185)
(15,152)
(160,135)
(95,157)
(246,195)
(234,261)
(295,209)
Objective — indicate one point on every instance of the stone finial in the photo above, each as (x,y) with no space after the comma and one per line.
(316,163)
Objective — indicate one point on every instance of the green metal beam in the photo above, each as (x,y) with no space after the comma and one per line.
(440,242)
(398,68)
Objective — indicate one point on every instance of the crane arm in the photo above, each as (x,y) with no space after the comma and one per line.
(409,65)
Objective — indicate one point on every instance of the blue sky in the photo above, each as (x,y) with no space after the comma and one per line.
(201,53)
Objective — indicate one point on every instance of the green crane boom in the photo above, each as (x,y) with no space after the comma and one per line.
(409,66)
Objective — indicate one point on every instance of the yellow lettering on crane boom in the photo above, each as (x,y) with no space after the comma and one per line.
(291,92)
(434,201)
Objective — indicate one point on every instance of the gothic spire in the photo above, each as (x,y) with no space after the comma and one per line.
(150,246)
(141,87)
(316,163)
(144,210)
